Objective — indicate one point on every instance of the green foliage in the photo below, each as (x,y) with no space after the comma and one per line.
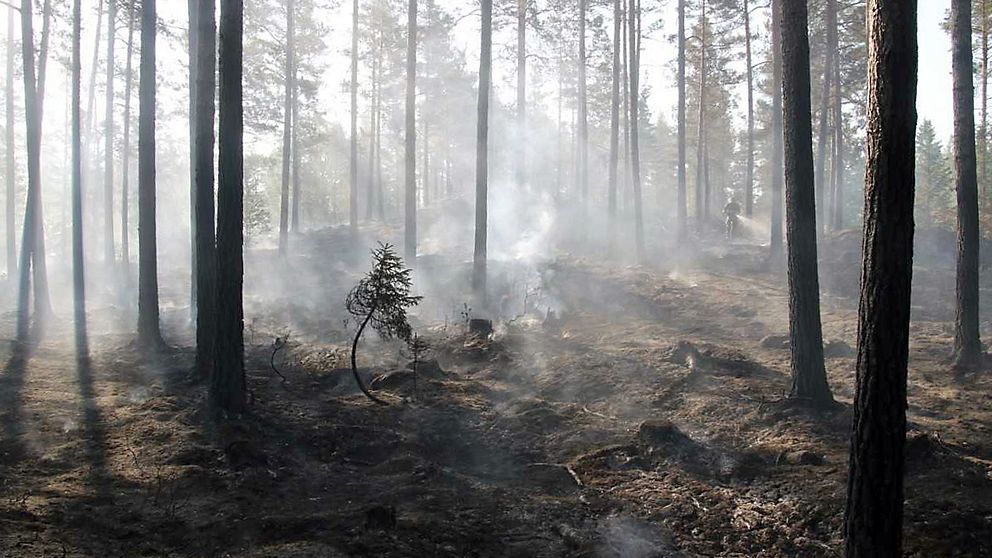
(382,297)
(934,180)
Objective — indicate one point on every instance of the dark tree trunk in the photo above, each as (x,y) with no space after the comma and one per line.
(482,154)
(227,385)
(749,171)
(410,159)
(775,246)
(287,128)
(191,38)
(681,201)
(634,27)
(873,524)
(614,133)
(967,346)
(983,134)
(108,167)
(206,256)
(823,135)
(353,155)
(78,277)
(809,378)
(149,333)
(11,164)
(521,143)
(126,154)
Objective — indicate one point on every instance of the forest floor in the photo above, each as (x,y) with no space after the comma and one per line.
(644,416)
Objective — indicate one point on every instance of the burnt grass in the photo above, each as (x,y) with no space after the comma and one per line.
(645,416)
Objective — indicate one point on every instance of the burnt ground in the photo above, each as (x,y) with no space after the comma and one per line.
(645,416)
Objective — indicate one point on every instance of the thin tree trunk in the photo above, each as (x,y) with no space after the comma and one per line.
(775,246)
(203,207)
(809,377)
(149,333)
(287,129)
(634,26)
(838,170)
(701,127)
(967,345)
(353,155)
(11,197)
(983,139)
(522,136)
(681,201)
(583,166)
(614,133)
(873,524)
(482,154)
(78,275)
(749,171)
(410,159)
(228,387)
(126,155)
(192,38)
(373,107)
(295,221)
(108,167)
(823,136)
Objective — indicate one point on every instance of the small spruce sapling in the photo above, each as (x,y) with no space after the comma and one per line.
(380,300)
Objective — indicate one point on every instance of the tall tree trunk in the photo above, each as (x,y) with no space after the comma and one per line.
(967,346)
(809,377)
(583,166)
(353,155)
(838,168)
(126,155)
(227,386)
(823,136)
(108,127)
(287,128)
(203,208)
(873,523)
(373,108)
(775,246)
(32,259)
(90,113)
(295,221)
(701,127)
(78,275)
(749,171)
(681,201)
(410,159)
(614,133)
(522,136)
(983,139)
(149,333)
(192,38)
(482,153)
(634,27)
(11,164)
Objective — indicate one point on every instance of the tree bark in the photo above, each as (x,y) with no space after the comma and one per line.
(873,523)
(149,332)
(614,134)
(823,135)
(126,155)
(522,136)
(11,164)
(838,168)
(809,378)
(701,127)
(206,256)
(287,128)
(353,155)
(775,245)
(681,201)
(634,26)
(967,346)
(482,154)
(108,167)
(410,159)
(583,116)
(78,274)
(749,171)
(227,387)
(983,135)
